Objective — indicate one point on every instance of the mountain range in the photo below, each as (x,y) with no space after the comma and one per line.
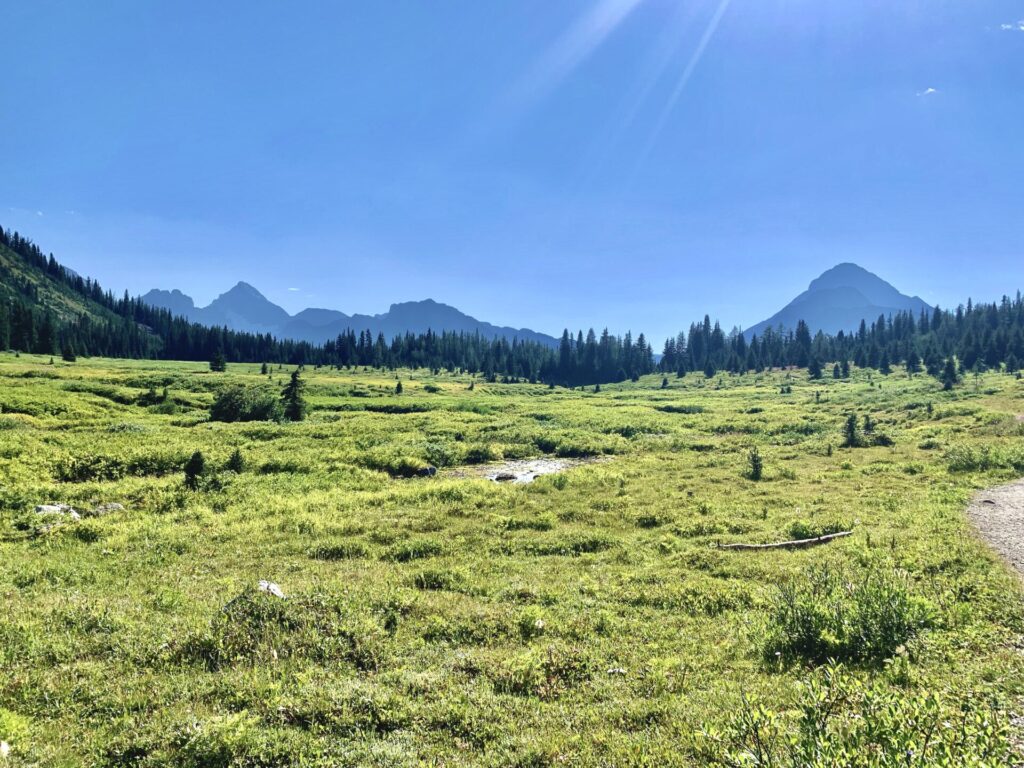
(243,308)
(838,300)
(835,301)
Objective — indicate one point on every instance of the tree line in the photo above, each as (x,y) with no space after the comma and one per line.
(127,327)
(977,336)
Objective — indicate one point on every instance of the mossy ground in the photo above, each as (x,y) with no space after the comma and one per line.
(584,619)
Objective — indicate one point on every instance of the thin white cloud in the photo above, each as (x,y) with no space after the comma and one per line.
(294,289)
(573,48)
(1016,27)
(927,92)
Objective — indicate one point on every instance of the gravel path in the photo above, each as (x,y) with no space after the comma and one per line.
(998,515)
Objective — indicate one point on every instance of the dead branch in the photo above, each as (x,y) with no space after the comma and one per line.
(789,544)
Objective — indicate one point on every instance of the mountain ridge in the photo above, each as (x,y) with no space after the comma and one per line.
(838,300)
(244,308)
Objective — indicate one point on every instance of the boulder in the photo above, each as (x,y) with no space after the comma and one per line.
(58,509)
(505,477)
(270,588)
(105,509)
(427,472)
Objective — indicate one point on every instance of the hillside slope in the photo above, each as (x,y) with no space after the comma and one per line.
(838,300)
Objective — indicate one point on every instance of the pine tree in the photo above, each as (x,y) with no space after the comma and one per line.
(263,369)
(913,362)
(236,462)
(836,371)
(950,377)
(291,397)
(398,388)
(218,363)
(851,432)
(67,353)
(814,367)
(756,464)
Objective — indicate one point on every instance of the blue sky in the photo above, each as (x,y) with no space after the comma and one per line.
(621,163)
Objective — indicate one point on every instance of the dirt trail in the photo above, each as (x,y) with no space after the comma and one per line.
(998,515)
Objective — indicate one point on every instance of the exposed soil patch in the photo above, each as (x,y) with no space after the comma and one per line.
(998,515)
(522,471)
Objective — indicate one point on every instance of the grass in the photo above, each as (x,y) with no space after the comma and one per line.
(586,618)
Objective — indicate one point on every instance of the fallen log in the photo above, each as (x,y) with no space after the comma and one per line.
(790,544)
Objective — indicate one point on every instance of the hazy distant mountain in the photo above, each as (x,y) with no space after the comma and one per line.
(244,308)
(839,300)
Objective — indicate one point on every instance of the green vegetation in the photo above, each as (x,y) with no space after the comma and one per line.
(586,618)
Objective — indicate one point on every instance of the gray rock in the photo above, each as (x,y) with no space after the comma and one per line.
(105,509)
(270,588)
(58,509)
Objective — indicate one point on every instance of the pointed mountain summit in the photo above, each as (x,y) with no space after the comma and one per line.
(838,300)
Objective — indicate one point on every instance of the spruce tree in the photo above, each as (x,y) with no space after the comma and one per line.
(756,464)
(218,363)
(913,362)
(950,377)
(814,367)
(398,388)
(236,462)
(291,397)
(851,432)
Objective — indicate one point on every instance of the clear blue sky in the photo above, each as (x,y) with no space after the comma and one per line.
(629,163)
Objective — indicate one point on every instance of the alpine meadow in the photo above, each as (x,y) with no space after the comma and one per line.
(512,385)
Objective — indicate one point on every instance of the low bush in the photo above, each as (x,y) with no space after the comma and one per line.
(237,403)
(964,458)
(843,722)
(863,615)
(256,627)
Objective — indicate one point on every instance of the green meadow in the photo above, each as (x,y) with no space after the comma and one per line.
(590,617)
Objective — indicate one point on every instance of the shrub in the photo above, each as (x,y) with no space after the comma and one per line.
(545,674)
(258,627)
(842,722)
(195,468)
(347,550)
(434,579)
(245,404)
(417,549)
(962,458)
(864,615)
(802,529)
(103,467)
